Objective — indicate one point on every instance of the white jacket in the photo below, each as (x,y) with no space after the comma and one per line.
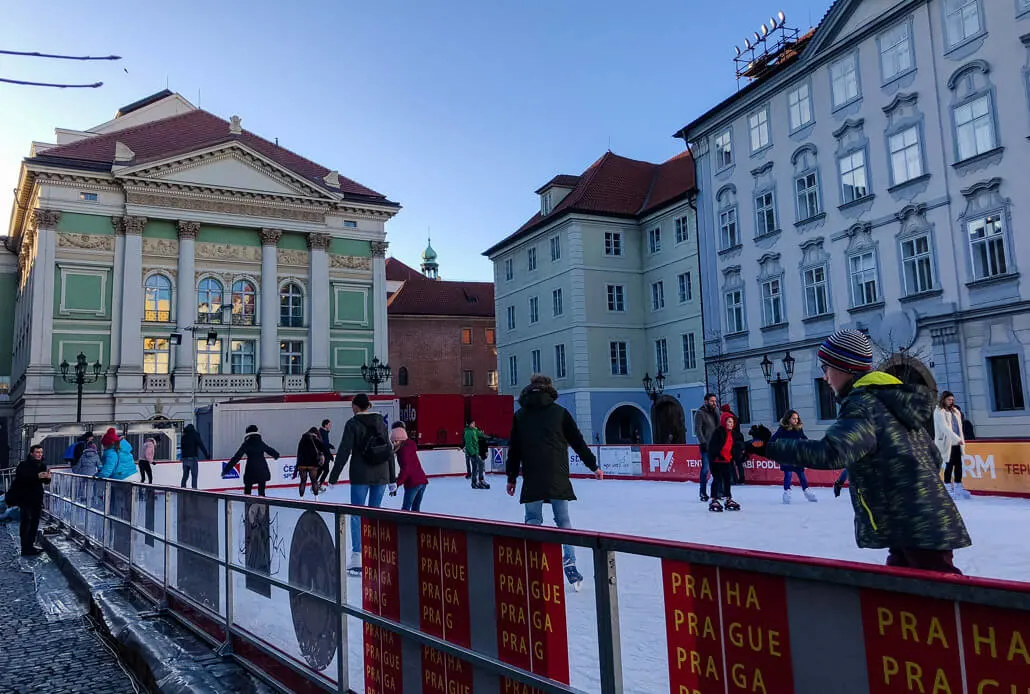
(945,436)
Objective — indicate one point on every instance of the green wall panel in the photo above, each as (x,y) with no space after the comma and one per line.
(75,223)
(350,247)
(82,293)
(351,305)
(350,384)
(8,296)
(66,346)
(347,356)
(161,229)
(294,242)
(211,233)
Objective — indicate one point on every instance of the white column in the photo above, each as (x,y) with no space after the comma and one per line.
(271,375)
(380,338)
(114,356)
(130,367)
(40,371)
(185,305)
(319,376)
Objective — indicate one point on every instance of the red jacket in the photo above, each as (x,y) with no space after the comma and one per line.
(412,474)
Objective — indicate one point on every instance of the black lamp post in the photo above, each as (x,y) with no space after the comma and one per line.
(788,368)
(654,387)
(375,373)
(80,378)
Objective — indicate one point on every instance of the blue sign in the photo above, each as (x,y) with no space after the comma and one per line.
(231,473)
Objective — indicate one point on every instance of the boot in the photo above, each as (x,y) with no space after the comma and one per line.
(354,565)
(961,492)
(715,506)
(810,495)
(483,483)
(732,505)
(951,489)
(837,487)
(786,496)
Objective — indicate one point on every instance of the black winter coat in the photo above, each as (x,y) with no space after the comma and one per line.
(716,443)
(191,446)
(309,451)
(27,487)
(356,434)
(541,433)
(257,467)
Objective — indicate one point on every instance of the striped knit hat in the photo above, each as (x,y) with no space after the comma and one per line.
(848,351)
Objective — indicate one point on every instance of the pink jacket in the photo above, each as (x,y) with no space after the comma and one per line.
(149,450)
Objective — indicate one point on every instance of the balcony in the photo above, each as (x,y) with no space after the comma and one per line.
(157,383)
(294,383)
(228,383)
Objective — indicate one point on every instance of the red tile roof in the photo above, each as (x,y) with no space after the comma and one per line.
(562,180)
(615,186)
(189,132)
(396,271)
(443,298)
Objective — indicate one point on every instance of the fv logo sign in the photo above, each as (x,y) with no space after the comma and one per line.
(660,461)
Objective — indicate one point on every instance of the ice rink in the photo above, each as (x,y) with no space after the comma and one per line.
(670,510)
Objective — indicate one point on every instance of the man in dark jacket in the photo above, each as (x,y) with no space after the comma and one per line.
(881,437)
(323,432)
(366,443)
(541,434)
(29,478)
(256,470)
(191,447)
(706,421)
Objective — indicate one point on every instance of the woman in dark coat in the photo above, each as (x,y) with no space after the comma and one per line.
(723,450)
(256,471)
(311,457)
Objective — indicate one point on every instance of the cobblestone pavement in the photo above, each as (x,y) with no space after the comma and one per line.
(45,645)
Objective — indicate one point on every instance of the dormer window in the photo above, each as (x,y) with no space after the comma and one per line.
(545,203)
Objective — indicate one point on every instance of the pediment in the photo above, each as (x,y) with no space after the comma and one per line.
(847,18)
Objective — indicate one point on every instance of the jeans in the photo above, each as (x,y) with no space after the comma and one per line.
(478,468)
(470,465)
(706,466)
(413,498)
(359,494)
(189,467)
(788,472)
(560,509)
(843,476)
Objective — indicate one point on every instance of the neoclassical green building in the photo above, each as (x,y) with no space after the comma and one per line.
(195,261)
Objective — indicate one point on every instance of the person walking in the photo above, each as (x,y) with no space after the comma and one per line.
(366,444)
(474,464)
(737,469)
(29,478)
(256,470)
(327,455)
(146,460)
(951,442)
(542,431)
(311,453)
(191,447)
(724,449)
(411,477)
(117,462)
(881,437)
(706,421)
(791,428)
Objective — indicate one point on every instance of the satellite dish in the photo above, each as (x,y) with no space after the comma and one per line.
(747,44)
(737,49)
(764,30)
(782,17)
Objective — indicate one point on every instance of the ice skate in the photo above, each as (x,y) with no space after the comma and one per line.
(732,505)
(715,506)
(354,565)
(837,487)
(951,489)
(704,497)
(786,496)
(574,577)
(810,495)
(961,492)
(483,484)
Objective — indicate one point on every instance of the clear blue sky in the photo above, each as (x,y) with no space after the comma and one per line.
(457,109)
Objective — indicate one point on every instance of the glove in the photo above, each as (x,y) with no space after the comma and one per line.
(393,490)
(761,433)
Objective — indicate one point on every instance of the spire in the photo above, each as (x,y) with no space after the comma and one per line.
(430,268)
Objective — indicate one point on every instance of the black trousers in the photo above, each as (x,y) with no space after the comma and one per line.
(954,465)
(249,486)
(722,480)
(30,516)
(146,473)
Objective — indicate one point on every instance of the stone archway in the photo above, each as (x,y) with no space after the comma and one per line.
(627,424)
(669,421)
(910,370)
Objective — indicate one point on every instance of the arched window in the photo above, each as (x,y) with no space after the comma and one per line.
(244,302)
(209,301)
(402,376)
(157,303)
(291,306)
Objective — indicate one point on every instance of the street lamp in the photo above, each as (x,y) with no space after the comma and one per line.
(654,387)
(788,368)
(375,373)
(81,378)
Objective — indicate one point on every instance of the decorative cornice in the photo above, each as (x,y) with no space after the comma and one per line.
(319,242)
(350,262)
(730,269)
(767,166)
(728,188)
(270,237)
(379,248)
(286,256)
(163,247)
(909,210)
(88,242)
(188,230)
(807,147)
(981,187)
(858,228)
(900,99)
(817,241)
(222,205)
(766,257)
(133,226)
(981,65)
(45,219)
(227,251)
(849,124)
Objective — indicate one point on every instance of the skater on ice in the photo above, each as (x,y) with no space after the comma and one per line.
(791,428)
(311,453)
(542,432)
(881,437)
(951,442)
(474,465)
(706,421)
(412,478)
(256,470)
(724,448)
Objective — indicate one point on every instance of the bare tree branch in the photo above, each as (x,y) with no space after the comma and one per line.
(723,374)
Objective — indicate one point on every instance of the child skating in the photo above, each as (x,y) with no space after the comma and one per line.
(723,449)
(791,428)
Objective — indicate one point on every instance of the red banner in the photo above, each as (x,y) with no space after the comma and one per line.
(380,594)
(444,603)
(683,463)
(911,644)
(996,646)
(756,634)
(693,628)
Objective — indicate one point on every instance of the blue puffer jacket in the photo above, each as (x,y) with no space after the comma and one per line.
(118,464)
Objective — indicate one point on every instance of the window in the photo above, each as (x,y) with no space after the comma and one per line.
(654,240)
(509,269)
(620,358)
(686,293)
(511,318)
(807,187)
(728,228)
(906,155)
(974,127)
(1006,382)
(89,197)
(735,311)
(853,183)
(291,360)
(241,360)
(616,297)
(863,279)
(961,20)
(816,296)
(661,356)
(491,336)
(350,224)
(244,302)
(987,245)
(157,301)
(291,306)
(545,203)
(155,355)
(758,125)
(402,376)
(559,361)
(896,51)
(799,106)
(765,209)
(781,398)
(657,296)
(918,265)
(742,399)
(534,309)
(209,357)
(681,229)
(555,248)
(531,259)
(209,301)
(826,401)
(513,370)
(467,379)
(534,358)
(844,80)
(723,150)
(491,379)
(689,352)
(612,243)
(466,336)
(556,302)
(772,302)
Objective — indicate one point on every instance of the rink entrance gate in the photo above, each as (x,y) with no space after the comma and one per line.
(457,606)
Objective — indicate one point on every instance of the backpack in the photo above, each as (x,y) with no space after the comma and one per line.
(376,449)
(69,452)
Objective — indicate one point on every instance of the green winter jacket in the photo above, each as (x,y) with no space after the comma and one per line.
(882,437)
(472,437)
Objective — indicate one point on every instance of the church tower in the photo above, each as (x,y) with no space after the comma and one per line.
(430,268)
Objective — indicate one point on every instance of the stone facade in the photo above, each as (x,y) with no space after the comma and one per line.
(434,358)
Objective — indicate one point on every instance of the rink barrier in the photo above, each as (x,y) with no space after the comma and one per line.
(460,605)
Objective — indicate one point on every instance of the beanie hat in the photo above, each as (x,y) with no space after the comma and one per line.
(110,438)
(847,350)
(726,408)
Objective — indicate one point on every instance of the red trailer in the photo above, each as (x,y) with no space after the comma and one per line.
(492,413)
(435,420)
